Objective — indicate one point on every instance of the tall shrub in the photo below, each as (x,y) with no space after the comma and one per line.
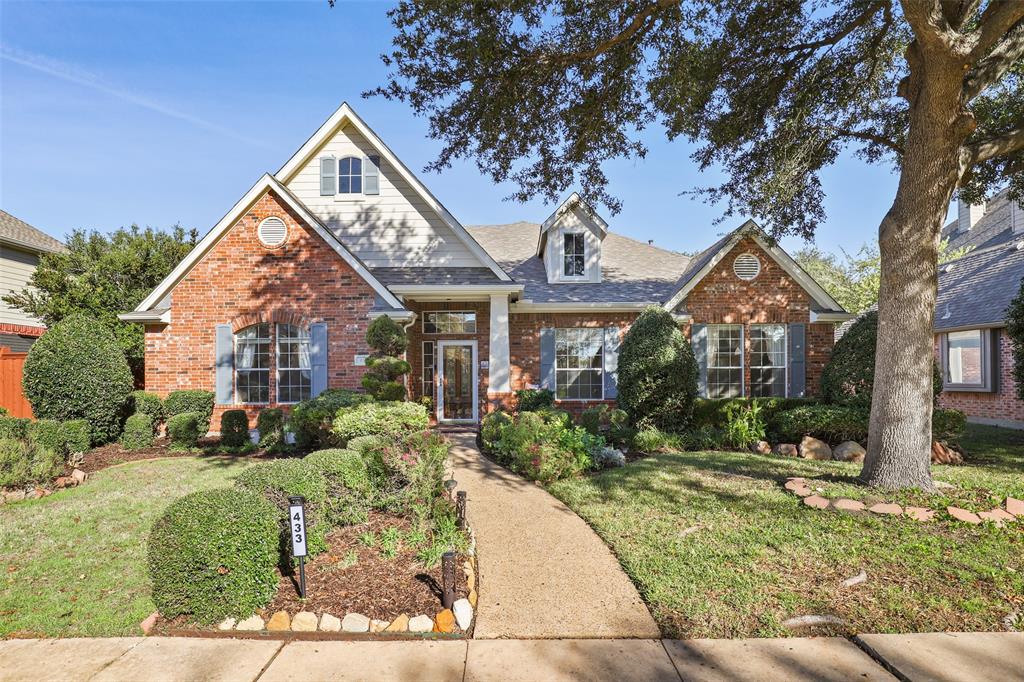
(1015,330)
(76,370)
(657,372)
(388,340)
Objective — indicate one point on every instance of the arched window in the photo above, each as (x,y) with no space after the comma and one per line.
(252,364)
(350,175)
(294,370)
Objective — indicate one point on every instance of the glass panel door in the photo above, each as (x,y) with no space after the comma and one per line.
(458,382)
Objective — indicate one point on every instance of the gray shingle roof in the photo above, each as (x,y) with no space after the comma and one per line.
(435,276)
(631,271)
(994,228)
(976,289)
(20,233)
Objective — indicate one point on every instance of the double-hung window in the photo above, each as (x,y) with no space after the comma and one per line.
(252,364)
(725,361)
(970,360)
(574,261)
(579,364)
(294,371)
(768,361)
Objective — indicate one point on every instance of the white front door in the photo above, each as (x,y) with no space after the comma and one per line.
(457,381)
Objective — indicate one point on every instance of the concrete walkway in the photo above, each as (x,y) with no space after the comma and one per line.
(544,573)
(979,657)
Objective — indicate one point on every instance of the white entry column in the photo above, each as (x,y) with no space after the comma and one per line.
(499,374)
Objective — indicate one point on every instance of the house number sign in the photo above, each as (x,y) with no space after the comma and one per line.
(297,523)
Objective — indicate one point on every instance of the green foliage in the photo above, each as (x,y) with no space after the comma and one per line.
(102,275)
(613,425)
(390,419)
(830,423)
(77,371)
(213,554)
(234,428)
(23,462)
(491,426)
(744,425)
(349,490)
(270,424)
(48,434)
(657,372)
(704,438)
(77,435)
(540,449)
(533,399)
(14,427)
(313,419)
(948,425)
(191,400)
(849,376)
(650,439)
(386,337)
(283,478)
(715,411)
(148,403)
(138,432)
(185,430)
(1015,331)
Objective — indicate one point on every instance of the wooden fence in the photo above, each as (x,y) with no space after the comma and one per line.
(11,397)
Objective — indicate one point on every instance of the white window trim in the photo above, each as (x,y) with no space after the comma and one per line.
(423,366)
(785,354)
(426,313)
(349,196)
(604,350)
(743,359)
(234,377)
(440,380)
(276,341)
(561,264)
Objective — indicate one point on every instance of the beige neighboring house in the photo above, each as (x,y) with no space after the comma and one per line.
(21,245)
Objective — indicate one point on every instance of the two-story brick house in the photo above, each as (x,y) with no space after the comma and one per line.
(272,305)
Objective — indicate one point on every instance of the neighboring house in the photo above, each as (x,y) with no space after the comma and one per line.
(970,316)
(21,245)
(272,305)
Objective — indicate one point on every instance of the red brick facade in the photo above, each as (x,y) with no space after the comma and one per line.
(240,282)
(1003,406)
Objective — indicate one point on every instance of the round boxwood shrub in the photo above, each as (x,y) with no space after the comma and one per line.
(77,371)
(213,554)
(390,419)
(311,420)
(270,424)
(77,435)
(138,432)
(849,376)
(185,429)
(234,428)
(282,478)
(657,372)
(191,400)
(145,402)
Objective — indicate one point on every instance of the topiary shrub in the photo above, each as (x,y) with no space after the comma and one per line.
(77,435)
(391,419)
(282,478)
(849,376)
(234,428)
(77,371)
(386,336)
(185,429)
(213,554)
(14,427)
(192,400)
(270,424)
(312,420)
(657,372)
(533,399)
(145,402)
(384,369)
(48,434)
(138,432)
(349,490)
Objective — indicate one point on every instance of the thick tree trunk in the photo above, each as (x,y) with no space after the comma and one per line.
(899,442)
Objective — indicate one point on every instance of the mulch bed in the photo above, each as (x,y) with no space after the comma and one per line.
(113,454)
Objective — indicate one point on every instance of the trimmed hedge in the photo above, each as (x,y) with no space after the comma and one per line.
(185,430)
(234,428)
(23,462)
(390,419)
(533,399)
(948,425)
(76,370)
(312,419)
(148,403)
(14,427)
(350,492)
(77,435)
(270,424)
(48,434)
(282,478)
(836,423)
(192,400)
(715,412)
(213,554)
(138,432)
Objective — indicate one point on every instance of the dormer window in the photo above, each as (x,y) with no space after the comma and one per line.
(350,175)
(574,261)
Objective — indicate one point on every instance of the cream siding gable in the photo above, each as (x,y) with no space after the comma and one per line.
(16,268)
(570,220)
(395,228)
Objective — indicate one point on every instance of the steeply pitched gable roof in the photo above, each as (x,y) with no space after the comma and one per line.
(974,291)
(572,203)
(994,228)
(345,114)
(19,233)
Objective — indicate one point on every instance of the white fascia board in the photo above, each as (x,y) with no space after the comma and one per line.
(146,317)
(831,317)
(345,113)
(396,315)
(569,204)
(264,184)
(580,307)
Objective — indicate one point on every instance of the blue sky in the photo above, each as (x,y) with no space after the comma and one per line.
(166,112)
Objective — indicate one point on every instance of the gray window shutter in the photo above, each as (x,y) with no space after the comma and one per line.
(611,363)
(797,360)
(371,175)
(225,365)
(328,177)
(318,357)
(547,359)
(699,342)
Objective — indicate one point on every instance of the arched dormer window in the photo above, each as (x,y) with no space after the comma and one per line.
(350,175)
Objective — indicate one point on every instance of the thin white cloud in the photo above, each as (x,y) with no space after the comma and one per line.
(75,74)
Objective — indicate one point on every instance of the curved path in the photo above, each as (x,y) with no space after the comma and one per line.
(543,572)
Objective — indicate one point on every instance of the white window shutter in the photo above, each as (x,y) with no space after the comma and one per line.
(328,176)
(371,175)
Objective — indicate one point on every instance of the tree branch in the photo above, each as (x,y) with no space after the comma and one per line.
(928,23)
(870,137)
(995,22)
(858,21)
(985,150)
(992,68)
(638,25)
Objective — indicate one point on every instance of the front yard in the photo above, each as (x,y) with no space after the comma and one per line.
(74,563)
(717,548)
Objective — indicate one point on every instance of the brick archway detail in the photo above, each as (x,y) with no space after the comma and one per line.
(280,316)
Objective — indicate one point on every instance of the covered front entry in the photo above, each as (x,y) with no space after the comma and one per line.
(457,381)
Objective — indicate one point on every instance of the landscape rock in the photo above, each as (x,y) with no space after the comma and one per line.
(989,516)
(329,623)
(227,624)
(304,621)
(816,501)
(920,513)
(279,622)
(785,450)
(377,625)
(886,509)
(250,624)
(445,621)
(963,515)
(861,577)
(943,454)
(14,495)
(1001,515)
(463,613)
(64,482)
(149,622)
(472,599)
(1015,507)
(400,624)
(421,623)
(79,476)
(849,451)
(762,447)
(355,622)
(943,485)
(844,504)
(812,448)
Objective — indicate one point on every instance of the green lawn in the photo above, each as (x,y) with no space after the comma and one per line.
(74,563)
(718,549)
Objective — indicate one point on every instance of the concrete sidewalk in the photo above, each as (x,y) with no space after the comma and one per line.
(979,657)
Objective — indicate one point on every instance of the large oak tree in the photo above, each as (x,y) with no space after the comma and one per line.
(542,93)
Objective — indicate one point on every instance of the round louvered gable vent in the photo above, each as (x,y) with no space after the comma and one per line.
(746,266)
(272,231)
